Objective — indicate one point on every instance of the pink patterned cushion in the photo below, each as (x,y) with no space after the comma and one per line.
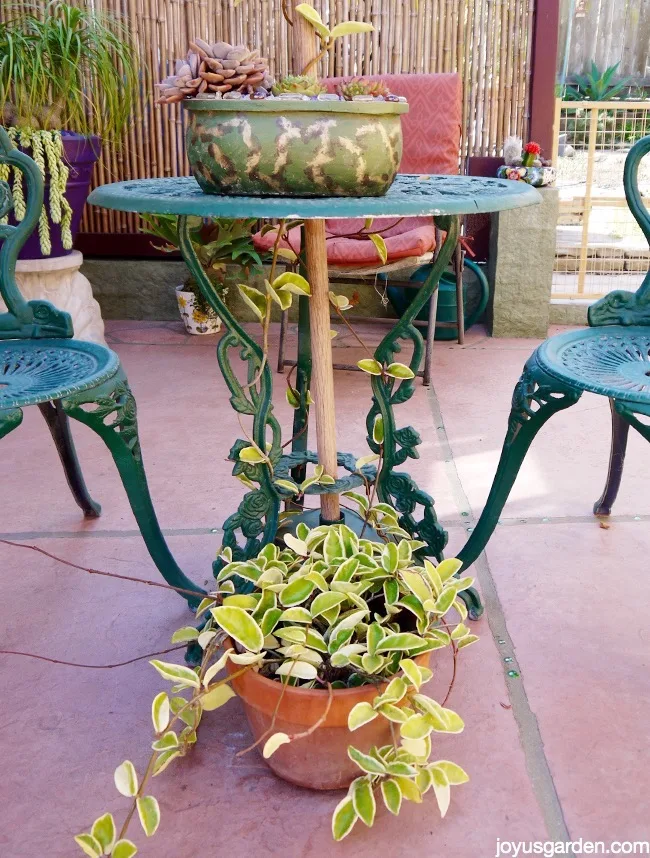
(412,236)
(431,145)
(432,125)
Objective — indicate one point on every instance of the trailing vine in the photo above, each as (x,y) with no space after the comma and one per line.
(47,151)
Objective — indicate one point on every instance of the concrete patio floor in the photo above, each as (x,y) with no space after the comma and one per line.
(557,751)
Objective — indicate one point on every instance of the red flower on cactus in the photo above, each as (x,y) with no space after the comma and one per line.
(531,153)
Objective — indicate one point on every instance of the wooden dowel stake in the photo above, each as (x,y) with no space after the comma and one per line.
(304,48)
(322,378)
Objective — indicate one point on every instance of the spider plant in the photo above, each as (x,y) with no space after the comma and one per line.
(74,68)
(63,68)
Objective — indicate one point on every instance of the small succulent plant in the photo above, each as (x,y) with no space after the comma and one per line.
(360,86)
(298,84)
(215,68)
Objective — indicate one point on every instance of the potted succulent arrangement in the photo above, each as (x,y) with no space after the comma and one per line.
(332,640)
(218,244)
(51,112)
(248,135)
(525,163)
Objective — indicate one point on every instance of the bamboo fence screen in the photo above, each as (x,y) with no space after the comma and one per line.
(487,41)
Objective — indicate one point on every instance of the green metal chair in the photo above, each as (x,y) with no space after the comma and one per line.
(40,364)
(610,358)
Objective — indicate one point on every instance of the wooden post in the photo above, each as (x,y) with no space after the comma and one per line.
(586,210)
(304,43)
(304,49)
(543,68)
(322,377)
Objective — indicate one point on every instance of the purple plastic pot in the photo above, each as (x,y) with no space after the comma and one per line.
(80,155)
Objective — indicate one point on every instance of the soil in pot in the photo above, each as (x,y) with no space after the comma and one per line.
(321,760)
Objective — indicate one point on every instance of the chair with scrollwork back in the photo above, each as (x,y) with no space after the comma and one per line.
(610,358)
(42,364)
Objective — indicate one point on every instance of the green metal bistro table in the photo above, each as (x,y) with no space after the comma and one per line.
(255,522)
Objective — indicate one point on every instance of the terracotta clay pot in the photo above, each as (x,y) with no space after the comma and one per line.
(321,760)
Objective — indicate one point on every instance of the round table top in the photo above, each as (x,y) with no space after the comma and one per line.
(409,195)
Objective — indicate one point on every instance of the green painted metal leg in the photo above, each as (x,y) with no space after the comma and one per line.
(620,431)
(536,398)
(110,411)
(256,518)
(10,418)
(303,380)
(629,414)
(395,487)
(59,426)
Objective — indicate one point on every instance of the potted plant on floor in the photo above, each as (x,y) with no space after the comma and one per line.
(218,244)
(244,139)
(68,77)
(332,642)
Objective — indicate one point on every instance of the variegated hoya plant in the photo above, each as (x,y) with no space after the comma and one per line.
(326,611)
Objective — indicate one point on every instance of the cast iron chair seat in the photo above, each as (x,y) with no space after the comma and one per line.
(612,361)
(35,371)
(41,364)
(611,358)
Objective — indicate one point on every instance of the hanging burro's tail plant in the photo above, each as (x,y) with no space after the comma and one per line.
(46,148)
(69,75)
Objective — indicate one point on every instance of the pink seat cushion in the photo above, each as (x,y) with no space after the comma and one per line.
(432,125)
(411,236)
(431,145)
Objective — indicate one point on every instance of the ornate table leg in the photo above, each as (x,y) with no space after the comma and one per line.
(303,381)
(395,487)
(257,515)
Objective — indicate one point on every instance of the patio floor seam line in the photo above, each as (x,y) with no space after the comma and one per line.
(537,764)
(107,534)
(466,523)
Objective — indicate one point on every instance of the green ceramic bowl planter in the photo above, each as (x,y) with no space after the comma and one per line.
(250,136)
(272,147)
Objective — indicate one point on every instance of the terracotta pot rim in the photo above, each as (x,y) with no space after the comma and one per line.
(297,689)
(313,692)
